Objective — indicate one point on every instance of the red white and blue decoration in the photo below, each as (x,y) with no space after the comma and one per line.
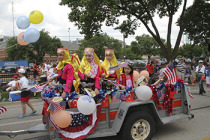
(2,109)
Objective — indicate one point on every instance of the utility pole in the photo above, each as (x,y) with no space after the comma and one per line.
(123,45)
(69,37)
(13,20)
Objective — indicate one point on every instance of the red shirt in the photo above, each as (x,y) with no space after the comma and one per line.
(150,68)
(34,67)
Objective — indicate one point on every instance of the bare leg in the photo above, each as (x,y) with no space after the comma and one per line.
(23,104)
(30,105)
(191,79)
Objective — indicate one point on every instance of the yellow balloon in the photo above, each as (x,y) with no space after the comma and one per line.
(35,17)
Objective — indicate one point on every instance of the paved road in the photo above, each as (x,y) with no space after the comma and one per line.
(195,129)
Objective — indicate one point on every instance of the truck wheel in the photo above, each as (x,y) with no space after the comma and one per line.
(138,126)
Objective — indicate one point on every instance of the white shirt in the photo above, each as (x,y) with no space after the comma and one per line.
(202,69)
(12,83)
(47,67)
(43,75)
(50,72)
(23,82)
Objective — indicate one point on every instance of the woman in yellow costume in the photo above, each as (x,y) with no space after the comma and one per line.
(110,61)
(89,71)
(67,68)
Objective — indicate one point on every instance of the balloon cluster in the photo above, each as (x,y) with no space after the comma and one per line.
(31,34)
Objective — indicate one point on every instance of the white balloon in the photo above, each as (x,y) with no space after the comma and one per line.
(86,105)
(143,93)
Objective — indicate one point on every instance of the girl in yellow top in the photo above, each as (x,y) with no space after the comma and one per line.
(89,70)
(110,61)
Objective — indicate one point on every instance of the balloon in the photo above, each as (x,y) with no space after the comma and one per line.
(62,118)
(31,35)
(144,73)
(22,22)
(86,105)
(135,75)
(35,17)
(20,39)
(143,93)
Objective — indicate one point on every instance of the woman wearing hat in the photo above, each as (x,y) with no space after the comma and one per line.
(200,72)
(89,71)
(109,61)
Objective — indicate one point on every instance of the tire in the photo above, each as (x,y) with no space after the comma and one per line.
(145,124)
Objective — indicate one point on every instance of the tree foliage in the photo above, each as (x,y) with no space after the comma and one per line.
(100,42)
(198,27)
(196,51)
(131,55)
(89,16)
(18,52)
(145,45)
(34,51)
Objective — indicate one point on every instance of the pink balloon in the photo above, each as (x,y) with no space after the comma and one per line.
(144,73)
(62,118)
(20,39)
(135,75)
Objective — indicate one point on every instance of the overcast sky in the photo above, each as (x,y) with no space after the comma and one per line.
(56,20)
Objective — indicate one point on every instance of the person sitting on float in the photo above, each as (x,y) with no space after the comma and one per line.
(89,71)
(65,72)
(126,78)
(109,61)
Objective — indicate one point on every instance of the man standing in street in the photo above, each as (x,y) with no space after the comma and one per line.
(200,72)
(181,69)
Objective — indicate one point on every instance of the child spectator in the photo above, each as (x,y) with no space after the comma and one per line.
(188,75)
(31,82)
(43,73)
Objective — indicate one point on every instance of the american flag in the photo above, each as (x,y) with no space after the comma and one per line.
(170,74)
(119,66)
(37,88)
(2,109)
(55,106)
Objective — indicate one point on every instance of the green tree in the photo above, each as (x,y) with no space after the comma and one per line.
(45,45)
(90,15)
(34,51)
(198,27)
(196,51)
(100,42)
(18,52)
(130,55)
(145,45)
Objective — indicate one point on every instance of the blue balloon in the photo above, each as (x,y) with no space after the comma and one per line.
(22,22)
(31,35)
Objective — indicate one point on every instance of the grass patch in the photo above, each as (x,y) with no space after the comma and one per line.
(4,94)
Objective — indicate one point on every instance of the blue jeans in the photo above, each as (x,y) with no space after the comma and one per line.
(200,83)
